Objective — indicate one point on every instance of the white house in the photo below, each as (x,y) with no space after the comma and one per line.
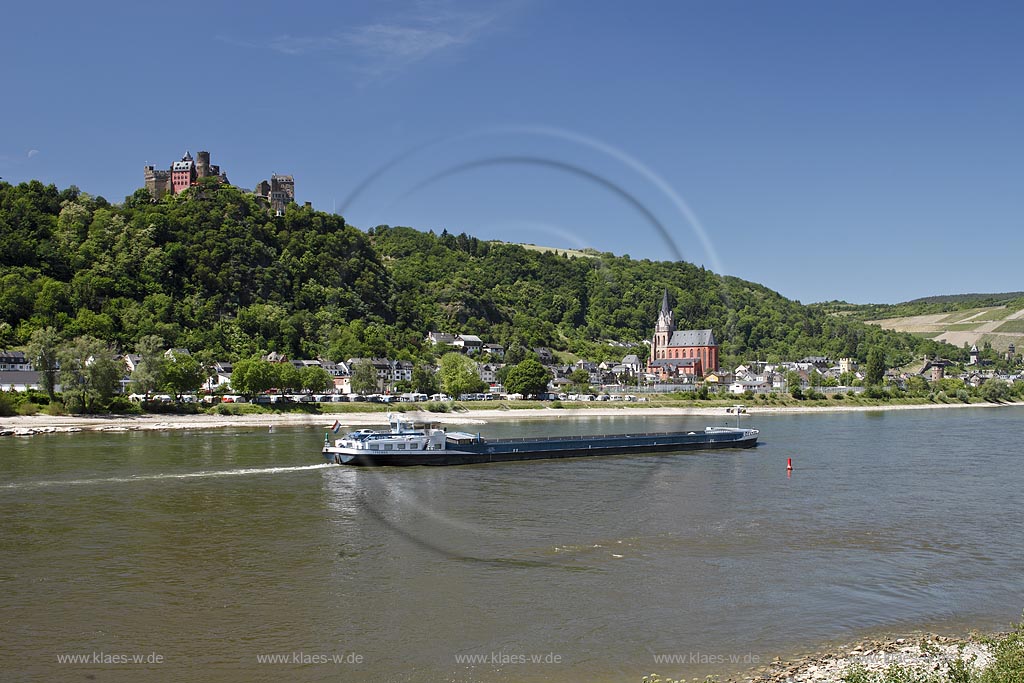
(221,376)
(20,381)
(14,361)
(758,386)
(469,343)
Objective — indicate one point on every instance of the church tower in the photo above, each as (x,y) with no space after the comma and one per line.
(663,330)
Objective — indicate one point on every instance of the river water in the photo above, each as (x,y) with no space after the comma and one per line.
(205,555)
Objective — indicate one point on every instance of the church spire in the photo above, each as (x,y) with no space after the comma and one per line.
(666,322)
(662,330)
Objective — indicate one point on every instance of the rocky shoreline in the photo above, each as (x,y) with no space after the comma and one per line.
(929,655)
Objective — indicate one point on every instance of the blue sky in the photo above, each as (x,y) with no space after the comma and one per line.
(868,151)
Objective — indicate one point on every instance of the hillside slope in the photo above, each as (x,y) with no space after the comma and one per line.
(213,269)
(998,326)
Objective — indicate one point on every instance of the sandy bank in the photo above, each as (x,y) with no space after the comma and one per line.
(44,424)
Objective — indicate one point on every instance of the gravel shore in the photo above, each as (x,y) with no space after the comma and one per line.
(927,655)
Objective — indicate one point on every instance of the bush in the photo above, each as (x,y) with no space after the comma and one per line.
(838,397)
(55,408)
(963,396)
(122,406)
(6,405)
(1008,664)
(438,406)
(73,405)
(875,391)
(28,408)
(557,404)
(797,393)
(38,397)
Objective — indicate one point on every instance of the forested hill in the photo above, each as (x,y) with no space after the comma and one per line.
(214,270)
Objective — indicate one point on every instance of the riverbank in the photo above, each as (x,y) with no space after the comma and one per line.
(911,658)
(28,425)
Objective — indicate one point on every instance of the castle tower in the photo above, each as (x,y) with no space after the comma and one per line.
(203,164)
(663,330)
(157,182)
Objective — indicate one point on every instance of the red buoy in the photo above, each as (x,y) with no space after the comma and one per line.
(789,463)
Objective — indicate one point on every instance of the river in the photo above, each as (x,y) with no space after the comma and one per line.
(234,555)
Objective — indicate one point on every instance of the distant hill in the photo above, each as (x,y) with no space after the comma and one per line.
(998,326)
(929,305)
(958,319)
(972,300)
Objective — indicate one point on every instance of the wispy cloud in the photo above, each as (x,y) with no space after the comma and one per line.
(389,45)
(31,153)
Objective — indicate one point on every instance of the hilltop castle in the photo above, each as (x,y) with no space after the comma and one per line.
(182,175)
(278,192)
(675,353)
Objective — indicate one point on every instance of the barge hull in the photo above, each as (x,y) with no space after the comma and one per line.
(488,452)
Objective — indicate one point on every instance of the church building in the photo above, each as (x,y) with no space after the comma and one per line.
(680,353)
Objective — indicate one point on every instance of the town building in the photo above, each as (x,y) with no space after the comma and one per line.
(937,366)
(975,356)
(680,352)
(468,343)
(545,355)
(14,361)
(442,338)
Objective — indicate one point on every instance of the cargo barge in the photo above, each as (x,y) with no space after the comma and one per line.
(406,443)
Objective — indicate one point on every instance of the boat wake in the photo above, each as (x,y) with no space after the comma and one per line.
(204,474)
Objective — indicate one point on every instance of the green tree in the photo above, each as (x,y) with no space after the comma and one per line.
(89,372)
(459,376)
(875,370)
(183,374)
(528,378)
(994,391)
(288,377)
(253,376)
(424,380)
(917,385)
(580,379)
(364,377)
(793,380)
(42,352)
(148,375)
(316,380)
